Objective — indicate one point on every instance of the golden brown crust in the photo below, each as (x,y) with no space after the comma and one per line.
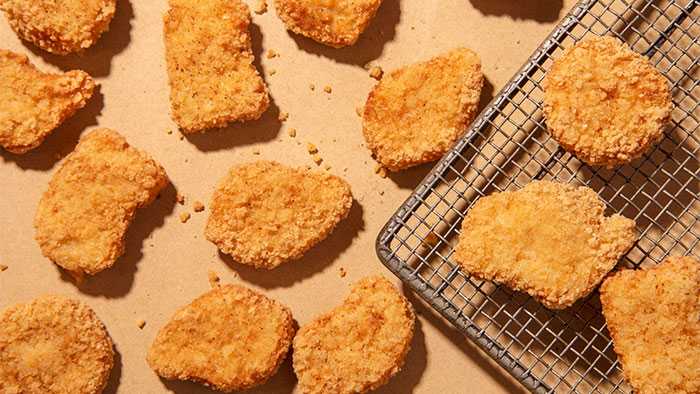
(210,64)
(264,214)
(230,338)
(337,24)
(416,113)
(359,345)
(653,317)
(605,103)
(59,27)
(83,216)
(35,103)
(549,240)
(53,345)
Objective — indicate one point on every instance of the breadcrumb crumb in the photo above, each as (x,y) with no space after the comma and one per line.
(328,89)
(213,279)
(359,110)
(283,116)
(317,159)
(311,148)
(342,272)
(382,172)
(327,167)
(292,132)
(180,199)
(376,72)
(273,72)
(312,87)
(141,324)
(271,53)
(256,151)
(184,217)
(198,206)
(260,7)
(3,267)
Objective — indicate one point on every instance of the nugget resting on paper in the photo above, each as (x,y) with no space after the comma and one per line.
(59,27)
(230,338)
(35,103)
(550,240)
(264,214)
(416,113)
(210,64)
(337,24)
(83,216)
(604,103)
(653,316)
(359,345)
(53,345)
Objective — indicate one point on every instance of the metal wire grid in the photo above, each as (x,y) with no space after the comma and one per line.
(506,147)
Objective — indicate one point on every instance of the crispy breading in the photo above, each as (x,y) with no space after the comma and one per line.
(550,240)
(264,214)
(416,113)
(53,345)
(210,64)
(359,345)
(59,27)
(83,216)
(604,103)
(35,103)
(336,23)
(654,320)
(230,338)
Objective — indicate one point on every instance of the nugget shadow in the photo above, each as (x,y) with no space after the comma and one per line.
(116,374)
(369,46)
(243,133)
(116,281)
(412,372)
(537,10)
(96,60)
(62,140)
(314,261)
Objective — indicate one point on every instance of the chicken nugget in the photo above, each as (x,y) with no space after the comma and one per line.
(653,317)
(59,27)
(83,216)
(550,240)
(35,103)
(416,113)
(359,345)
(210,64)
(604,103)
(53,345)
(230,338)
(336,23)
(264,214)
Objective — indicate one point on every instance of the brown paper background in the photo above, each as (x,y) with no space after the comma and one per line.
(166,262)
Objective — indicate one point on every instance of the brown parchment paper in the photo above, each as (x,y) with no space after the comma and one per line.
(166,262)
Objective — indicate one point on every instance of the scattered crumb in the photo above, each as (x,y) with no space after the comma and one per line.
(198,206)
(359,110)
(271,53)
(311,148)
(308,167)
(256,151)
(382,172)
(327,89)
(3,267)
(141,324)
(312,86)
(213,279)
(260,7)
(180,199)
(317,159)
(327,167)
(376,72)
(292,132)
(377,168)
(170,131)
(184,217)
(342,272)
(381,192)
(283,116)
(273,72)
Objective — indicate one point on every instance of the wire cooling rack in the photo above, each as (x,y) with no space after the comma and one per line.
(505,148)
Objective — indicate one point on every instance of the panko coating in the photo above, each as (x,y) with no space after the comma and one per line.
(210,64)
(35,103)
(83,216)
(359,345)
(59,27)
(53,345)
(416,113)
(604,103)
(653,316)
(230,338)
(336,23)
(550,240)
(264,214)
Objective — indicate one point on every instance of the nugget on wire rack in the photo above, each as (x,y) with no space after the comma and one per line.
(83,216)
(35,103)
(416,113)
(210,64)
(264,214)
(359,345)
(53,345)
(604,103)
(334,23)
(59,27)
(653,316)
(230,338)
(550,240)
